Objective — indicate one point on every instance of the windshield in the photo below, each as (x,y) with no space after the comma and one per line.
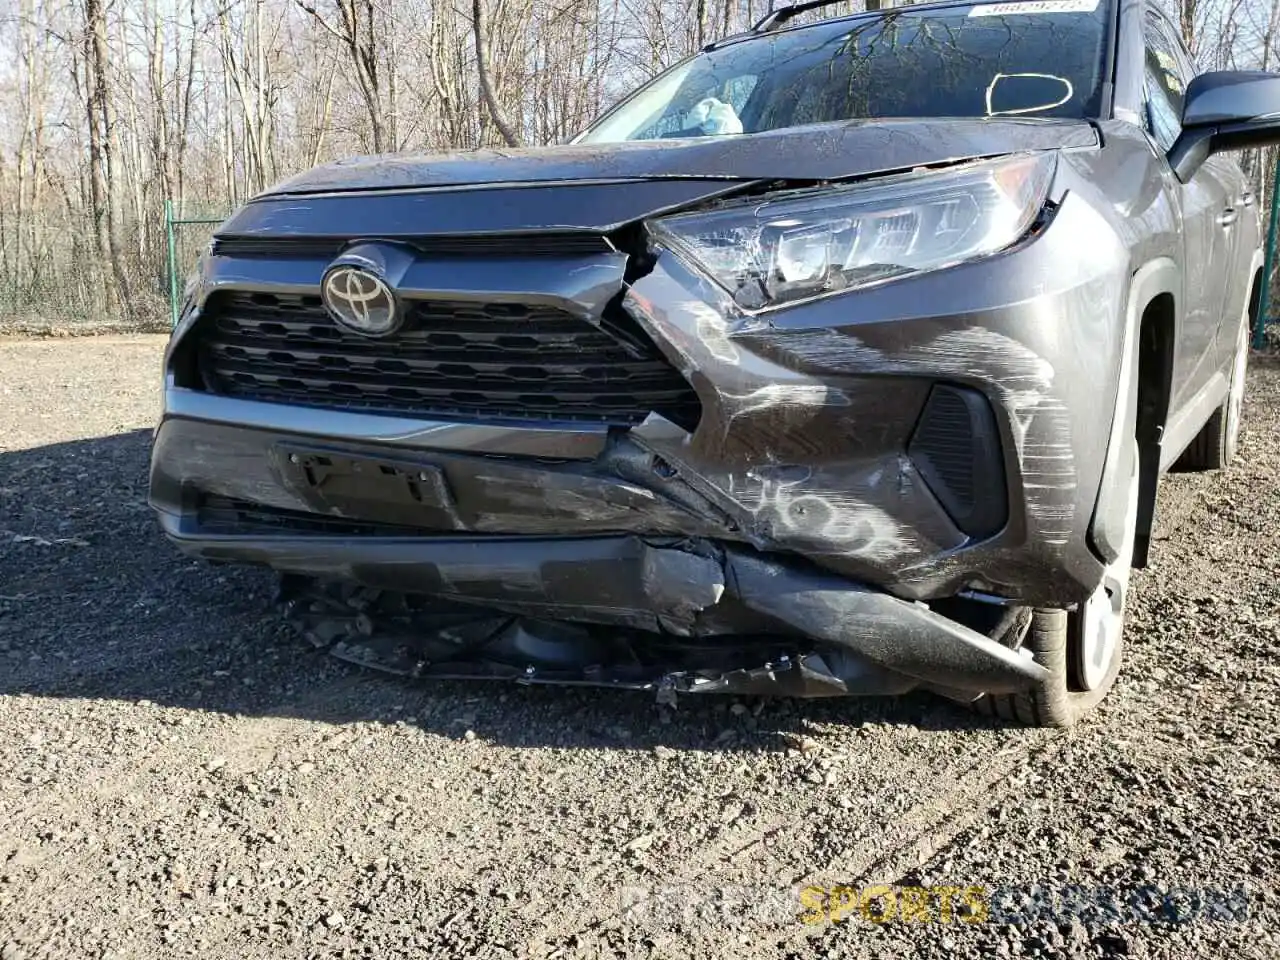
(1041,58)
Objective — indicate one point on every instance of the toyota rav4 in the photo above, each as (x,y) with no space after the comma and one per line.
(844,357)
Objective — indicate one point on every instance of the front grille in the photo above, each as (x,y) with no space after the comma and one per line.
(226,516)
(451,359)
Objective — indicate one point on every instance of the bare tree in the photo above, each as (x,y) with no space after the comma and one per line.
(357,31)
(100,114)
(110,107)
(496,112)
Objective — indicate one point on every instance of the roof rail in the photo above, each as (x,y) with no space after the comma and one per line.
(775,19)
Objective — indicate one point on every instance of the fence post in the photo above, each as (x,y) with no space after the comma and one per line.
(173,262)
(1268,262)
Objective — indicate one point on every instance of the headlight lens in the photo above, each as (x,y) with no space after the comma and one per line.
(805,243)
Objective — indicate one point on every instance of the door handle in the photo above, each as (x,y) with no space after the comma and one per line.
(1246,199)
(1227,217)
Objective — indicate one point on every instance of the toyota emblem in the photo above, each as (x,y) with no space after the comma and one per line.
(360,301)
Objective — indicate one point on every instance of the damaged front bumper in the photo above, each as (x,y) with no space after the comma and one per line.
(860,467)
(684,616)
(689,607)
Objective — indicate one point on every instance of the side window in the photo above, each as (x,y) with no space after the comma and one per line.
(1164,105)
(1168,71)
(1186,63)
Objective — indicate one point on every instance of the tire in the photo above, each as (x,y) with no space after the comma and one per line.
(1214,447)
(1054,702)
(1082,648)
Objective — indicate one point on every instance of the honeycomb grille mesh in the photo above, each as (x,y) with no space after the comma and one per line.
(452,358)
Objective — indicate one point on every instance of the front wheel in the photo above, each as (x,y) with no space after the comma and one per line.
(1081,648)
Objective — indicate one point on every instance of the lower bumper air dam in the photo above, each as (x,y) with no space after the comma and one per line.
(847,638)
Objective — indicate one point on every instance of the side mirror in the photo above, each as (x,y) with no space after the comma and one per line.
(1226,110)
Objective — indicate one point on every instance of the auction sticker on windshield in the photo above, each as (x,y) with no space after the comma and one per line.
(1033,6)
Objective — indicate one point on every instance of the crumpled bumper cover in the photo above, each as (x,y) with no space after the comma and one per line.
(858,463)
(685,615)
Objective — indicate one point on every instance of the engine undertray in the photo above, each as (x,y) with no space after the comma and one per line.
(422,637)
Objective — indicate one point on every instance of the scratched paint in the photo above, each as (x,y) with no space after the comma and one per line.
(864,509)
(789,506)
(1025,387)
(797,444)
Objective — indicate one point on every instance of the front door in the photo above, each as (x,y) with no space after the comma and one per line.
(1210,210)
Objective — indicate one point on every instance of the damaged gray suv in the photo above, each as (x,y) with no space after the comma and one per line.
(843,358)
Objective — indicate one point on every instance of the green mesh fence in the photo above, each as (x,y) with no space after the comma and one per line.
(187,234)
(1267,299)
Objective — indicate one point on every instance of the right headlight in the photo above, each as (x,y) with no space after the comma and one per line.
(798,244)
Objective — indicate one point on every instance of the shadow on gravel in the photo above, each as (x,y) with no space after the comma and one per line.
(96,605)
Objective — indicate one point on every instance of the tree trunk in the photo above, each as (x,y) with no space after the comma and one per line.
(486,86)
(102,183)
(94,95)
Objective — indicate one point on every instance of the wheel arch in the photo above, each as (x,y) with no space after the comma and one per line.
(1254,303)
(1156,347)
(1144,389)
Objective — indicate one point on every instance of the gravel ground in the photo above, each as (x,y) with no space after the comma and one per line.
(181,775)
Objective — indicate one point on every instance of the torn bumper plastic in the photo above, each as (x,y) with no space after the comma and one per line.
(690,615)
(625,478)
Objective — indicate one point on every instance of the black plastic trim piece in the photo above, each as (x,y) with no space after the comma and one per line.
(956,448)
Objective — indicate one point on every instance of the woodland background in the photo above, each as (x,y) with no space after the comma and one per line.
(110,107)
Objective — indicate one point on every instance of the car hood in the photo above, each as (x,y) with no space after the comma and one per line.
(829,151)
